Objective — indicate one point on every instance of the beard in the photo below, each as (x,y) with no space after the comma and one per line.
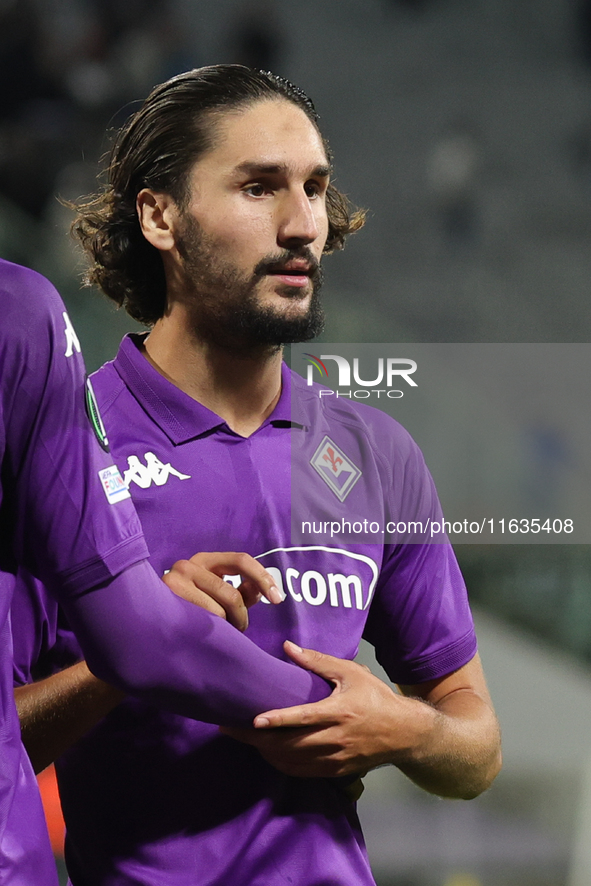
(223,303)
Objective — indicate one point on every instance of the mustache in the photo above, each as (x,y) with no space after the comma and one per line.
(274,262)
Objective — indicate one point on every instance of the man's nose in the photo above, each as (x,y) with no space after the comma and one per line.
(298,221)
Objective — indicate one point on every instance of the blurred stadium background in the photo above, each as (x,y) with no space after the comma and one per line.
(465,127)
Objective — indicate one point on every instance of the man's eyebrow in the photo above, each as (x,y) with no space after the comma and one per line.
(254,168)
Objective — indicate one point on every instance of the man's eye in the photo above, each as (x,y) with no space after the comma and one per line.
(256,190)
(312,189)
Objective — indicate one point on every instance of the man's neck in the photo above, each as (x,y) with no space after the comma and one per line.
(242,387)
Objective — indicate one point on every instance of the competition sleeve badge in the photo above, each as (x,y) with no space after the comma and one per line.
(114,486)
(94,416)
(337,471)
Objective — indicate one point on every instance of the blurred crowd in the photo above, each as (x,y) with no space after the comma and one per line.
(75,68)
(70,67)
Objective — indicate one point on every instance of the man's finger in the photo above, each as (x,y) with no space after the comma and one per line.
(314,714)
(327,666)
(320,713)
(200,586)
(255,578)
(226,596)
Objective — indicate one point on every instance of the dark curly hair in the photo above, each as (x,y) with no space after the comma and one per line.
(156,148)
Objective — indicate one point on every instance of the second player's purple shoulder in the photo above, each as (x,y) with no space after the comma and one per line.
(17,281)
(32,309)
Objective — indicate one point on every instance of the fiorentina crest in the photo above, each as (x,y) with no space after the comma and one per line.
(337,471)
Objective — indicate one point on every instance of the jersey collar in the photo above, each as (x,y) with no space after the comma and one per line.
(179,416)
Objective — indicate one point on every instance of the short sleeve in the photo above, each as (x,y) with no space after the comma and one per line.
(67,527)
(419,621)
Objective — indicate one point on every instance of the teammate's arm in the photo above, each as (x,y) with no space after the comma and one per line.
(137,635)
(442,734)
(57,711)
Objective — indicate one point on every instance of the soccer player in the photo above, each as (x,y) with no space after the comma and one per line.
(67,516)
(211,230)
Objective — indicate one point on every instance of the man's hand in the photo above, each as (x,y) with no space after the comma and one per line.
(343,734)
(449,745)
(199,580)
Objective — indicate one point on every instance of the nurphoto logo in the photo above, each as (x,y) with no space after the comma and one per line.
(389,371)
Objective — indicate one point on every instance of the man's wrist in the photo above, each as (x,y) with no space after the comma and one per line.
(413,744)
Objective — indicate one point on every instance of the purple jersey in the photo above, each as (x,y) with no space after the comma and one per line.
(156,798)
(56,519)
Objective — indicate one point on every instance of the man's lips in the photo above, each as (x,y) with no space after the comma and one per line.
(291,278)
(293,273)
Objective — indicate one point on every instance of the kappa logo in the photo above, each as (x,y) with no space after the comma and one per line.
(337,471)
(72,343)
(154,471)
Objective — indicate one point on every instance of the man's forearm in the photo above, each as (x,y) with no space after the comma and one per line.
(454,746)
(54,713)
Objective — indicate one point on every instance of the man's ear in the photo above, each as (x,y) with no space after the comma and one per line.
(157,214)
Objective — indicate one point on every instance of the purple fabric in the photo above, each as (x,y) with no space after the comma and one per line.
(67,518)
(62,527)
(156,798)
(54,516)
(187,660)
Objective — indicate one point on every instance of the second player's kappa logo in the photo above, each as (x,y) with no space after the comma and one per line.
(337,471)
(72,342)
